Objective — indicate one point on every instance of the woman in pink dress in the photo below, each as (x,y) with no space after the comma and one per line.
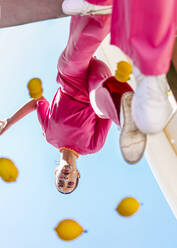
(89,99)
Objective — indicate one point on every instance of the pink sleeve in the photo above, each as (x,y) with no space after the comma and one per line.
(42,107)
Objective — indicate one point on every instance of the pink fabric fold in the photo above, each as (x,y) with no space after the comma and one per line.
(145,31)
(100,2)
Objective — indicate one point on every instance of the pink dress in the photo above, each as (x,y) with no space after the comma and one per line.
(70,120)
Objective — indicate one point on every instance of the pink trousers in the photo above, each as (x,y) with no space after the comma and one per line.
(100,2)
(145,30)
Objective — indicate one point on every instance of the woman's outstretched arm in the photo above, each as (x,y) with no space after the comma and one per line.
(17,12)
(22,112)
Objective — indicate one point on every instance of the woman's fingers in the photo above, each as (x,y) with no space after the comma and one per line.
(2,126)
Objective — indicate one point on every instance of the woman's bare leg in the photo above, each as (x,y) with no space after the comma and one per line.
(17,12)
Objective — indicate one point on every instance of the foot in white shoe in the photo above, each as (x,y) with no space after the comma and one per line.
(132,141)
(151,108)
(82,7)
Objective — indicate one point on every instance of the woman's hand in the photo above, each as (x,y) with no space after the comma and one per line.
(22,112)
(4,125)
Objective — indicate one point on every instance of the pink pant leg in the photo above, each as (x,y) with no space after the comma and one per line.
(145,31)
(86,34)
(105,103)
(100,2)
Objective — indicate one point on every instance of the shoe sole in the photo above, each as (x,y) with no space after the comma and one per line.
(140,139)
(105,11)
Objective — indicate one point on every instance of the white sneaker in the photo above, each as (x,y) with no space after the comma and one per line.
(151,108)
(81,7)
(132,141)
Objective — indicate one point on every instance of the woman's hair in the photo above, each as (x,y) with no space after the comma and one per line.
(72,190)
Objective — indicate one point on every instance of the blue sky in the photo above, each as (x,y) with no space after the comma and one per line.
(31,208)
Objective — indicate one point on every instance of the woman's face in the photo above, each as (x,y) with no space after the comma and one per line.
(66,178)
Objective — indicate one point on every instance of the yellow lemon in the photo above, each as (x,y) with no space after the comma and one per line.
(128,206)
(8,171)
(35,88)
(68,230)
(124,69)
